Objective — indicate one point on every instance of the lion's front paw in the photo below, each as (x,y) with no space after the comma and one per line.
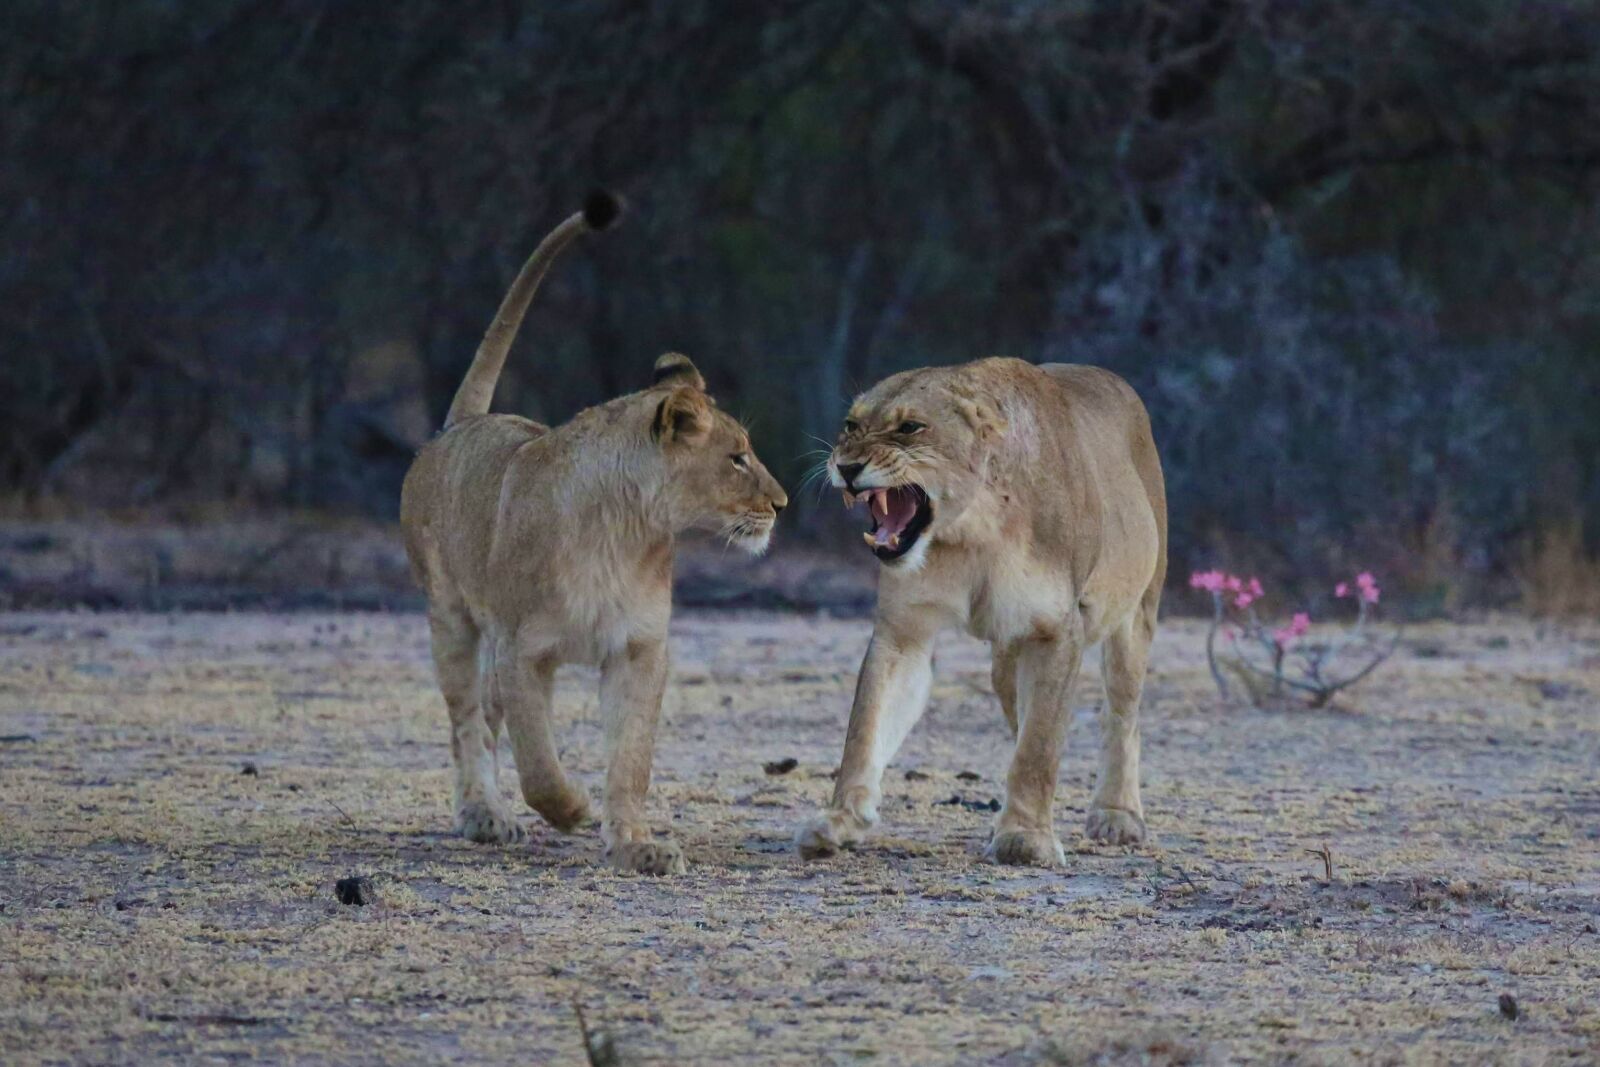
(648,857)
(488,824)
(1114,826)
(567,810)
(1026,848)
(826,834)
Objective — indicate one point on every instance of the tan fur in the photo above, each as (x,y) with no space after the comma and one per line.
(1049,534)
(540,546)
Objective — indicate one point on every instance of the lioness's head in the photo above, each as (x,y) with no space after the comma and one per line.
(914,449)
(714,479)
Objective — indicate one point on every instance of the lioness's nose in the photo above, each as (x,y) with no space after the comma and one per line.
(778,506)
(848,472)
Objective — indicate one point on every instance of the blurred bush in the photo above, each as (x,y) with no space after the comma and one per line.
(1347,251)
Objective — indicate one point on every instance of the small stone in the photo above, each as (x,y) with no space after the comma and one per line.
(1508,1006)
(917,776)
(782,766)
(355,891)
(969,776)
(250,770)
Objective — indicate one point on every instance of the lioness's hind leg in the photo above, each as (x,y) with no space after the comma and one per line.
(1116,815)
(524,688)
(1003,672)
(479,812)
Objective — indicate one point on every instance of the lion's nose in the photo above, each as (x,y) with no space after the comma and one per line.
(848,472)
(778,506)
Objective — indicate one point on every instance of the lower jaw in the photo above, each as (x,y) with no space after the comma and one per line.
(754,544)
(887,555)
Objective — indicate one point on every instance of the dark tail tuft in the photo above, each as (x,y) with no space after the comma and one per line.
(600,209)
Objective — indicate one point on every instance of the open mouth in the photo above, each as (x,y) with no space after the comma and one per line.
(899,516)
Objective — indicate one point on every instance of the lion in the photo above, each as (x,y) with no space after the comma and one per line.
(1026,504)
(539,546)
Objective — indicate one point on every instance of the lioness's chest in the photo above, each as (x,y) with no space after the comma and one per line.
(1007,602)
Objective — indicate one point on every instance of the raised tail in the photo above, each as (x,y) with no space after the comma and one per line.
(477,388)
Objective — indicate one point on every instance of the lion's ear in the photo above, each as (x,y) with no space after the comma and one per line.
(684,416)
(676,368)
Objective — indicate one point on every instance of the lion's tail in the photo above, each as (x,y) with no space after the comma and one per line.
(477,388)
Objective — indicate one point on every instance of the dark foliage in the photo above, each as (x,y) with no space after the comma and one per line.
(1347,251)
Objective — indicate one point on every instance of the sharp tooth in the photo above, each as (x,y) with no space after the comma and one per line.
(868,539)
(849,500)
(894,540)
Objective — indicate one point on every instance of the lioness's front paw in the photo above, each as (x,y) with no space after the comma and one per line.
(826,834)
(648,857)
(1114,826)
(1026,848)
(488,824)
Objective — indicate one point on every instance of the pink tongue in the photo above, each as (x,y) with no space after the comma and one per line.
(901,508)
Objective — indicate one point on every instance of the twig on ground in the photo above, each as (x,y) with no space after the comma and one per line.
(346,815)
(598,1048)
(1326,855)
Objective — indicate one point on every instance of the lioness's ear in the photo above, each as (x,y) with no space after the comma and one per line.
(676,368)
(685,415)
(984,418)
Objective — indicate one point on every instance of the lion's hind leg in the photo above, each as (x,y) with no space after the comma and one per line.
(480,813)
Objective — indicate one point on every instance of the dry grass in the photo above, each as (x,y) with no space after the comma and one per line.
(156,901)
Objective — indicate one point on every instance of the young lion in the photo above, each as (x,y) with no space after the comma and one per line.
(540,546)
(1026,504)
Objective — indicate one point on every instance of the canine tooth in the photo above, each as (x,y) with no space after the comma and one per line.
(849,500)
(894,540)
(868,539)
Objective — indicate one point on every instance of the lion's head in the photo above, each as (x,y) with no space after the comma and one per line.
(914,448)
(714,479)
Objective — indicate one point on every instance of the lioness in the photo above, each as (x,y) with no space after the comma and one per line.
(539,546)
(1026,504)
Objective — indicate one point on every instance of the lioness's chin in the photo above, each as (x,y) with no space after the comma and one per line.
(912,559)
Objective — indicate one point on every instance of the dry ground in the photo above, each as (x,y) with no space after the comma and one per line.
(157,898)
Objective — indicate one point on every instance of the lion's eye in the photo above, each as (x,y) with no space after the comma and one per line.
(851,426)
(908,427)
(740,460)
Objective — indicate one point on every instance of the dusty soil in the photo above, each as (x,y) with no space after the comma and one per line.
(179,795)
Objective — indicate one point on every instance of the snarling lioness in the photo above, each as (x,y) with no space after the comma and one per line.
(540,546)
(1026,504)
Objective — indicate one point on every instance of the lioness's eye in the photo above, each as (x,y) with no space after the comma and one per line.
(909,427)
(851,426)
(740,460)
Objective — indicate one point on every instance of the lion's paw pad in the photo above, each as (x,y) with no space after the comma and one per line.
(648,857)
(1027,848)
(488,825)
(1113,826)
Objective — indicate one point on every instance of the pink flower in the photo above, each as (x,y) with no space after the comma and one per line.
(1287,635)
(1255,587)
(1210,581)
(1342,589)
(1243,600)
(1368,586)
(1232,583)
